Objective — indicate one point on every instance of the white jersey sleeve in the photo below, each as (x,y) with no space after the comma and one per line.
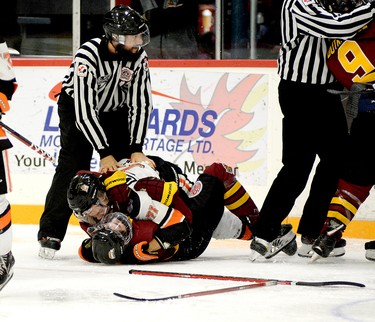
(136,171)
(157,212)
(6,67)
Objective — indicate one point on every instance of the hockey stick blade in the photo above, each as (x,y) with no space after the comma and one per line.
(196,294)
(242,279)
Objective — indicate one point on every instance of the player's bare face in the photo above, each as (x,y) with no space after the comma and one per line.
(99,209)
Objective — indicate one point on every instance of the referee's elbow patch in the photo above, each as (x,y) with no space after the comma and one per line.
(169,190)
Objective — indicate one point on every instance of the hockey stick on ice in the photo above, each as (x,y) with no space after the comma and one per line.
(195,294)
(28,143)
(242,279)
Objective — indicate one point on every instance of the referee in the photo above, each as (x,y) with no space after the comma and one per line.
(314,122)
(105,104)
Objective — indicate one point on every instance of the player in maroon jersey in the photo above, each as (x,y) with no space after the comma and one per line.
(161,213)
(353,64)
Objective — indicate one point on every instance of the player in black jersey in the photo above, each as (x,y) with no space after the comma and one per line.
(104,105)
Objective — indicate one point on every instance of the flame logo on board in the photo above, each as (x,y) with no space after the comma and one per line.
(232,142)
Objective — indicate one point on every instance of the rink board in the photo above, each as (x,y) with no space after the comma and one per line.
(204,111)
(26,214)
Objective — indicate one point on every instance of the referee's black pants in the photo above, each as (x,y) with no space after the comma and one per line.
(75,154)
(314,124)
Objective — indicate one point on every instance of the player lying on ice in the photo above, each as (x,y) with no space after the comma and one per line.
(167,217)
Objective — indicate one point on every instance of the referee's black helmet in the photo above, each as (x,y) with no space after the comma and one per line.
(123,20)
(340,6)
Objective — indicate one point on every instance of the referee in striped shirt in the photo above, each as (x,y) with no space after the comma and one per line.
(314,122)
(105,104)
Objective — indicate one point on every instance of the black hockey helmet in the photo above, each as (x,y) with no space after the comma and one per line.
(122,21)
(340,6)
(83,192)
(110,237)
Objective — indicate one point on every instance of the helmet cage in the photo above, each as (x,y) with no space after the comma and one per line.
(111,236)
(120,224)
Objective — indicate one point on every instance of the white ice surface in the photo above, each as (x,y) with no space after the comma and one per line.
(69,289)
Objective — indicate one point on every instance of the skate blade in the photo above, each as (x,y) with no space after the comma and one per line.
(47,253)
(254,255)
(315,257)
(7,280)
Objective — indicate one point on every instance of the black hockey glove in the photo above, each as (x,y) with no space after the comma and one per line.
(142,253)
(85,251)
(7,87)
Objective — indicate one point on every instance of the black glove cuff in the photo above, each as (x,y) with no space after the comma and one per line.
(7,87)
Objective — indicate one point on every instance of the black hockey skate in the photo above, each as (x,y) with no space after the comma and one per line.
(286,242)
(6,269)
(306,248)
(326,242)
(370,250)
(48,247)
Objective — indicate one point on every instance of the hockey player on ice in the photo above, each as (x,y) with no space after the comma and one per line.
(167,219)
(352,63)
(7,87)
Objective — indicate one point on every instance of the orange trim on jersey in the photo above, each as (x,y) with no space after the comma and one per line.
(4,104)
(80,254)
(175,217)
(184,183)
(247,234)
(140,255)
(5,220)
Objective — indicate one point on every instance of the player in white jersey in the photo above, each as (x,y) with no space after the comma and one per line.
(7,87)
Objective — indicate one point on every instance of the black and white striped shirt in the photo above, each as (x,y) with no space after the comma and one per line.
(306,30)
(100,82)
